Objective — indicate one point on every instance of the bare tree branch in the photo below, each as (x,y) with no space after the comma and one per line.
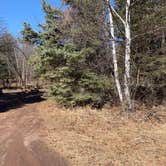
(116,13)
(149,32)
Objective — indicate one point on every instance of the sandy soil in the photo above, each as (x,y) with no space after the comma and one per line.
(22,139)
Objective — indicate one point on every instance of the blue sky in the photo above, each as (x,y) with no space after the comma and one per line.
(14,12)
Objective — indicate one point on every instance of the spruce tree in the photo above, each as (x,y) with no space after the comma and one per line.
(68,56)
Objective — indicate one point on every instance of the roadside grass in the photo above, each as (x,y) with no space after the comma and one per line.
(108,137)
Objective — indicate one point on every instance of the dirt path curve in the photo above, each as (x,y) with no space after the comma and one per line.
(22,140)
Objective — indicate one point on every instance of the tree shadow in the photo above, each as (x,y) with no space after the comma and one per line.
(49,157)
(13,100)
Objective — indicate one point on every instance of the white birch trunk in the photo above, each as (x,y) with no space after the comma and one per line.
(127,57)
(163,42)
(115,63)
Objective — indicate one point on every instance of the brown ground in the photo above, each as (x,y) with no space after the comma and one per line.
(44,134)
(22,138)
(107,138)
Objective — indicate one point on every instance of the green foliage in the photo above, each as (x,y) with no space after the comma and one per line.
(73,49)
(66,61)
(89,88)
(28,34)
(148,41)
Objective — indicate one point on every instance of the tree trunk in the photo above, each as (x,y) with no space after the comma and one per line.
(116,74)
(127,58)
(163,42)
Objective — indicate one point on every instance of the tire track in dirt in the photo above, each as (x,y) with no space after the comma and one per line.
(22,140)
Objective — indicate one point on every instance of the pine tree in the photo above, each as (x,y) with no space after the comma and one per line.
(72,57)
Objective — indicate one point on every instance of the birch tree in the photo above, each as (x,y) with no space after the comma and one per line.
(114,55)
(127,96)
(127,56)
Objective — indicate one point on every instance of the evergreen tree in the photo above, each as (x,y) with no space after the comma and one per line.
(73,49)
(73,58)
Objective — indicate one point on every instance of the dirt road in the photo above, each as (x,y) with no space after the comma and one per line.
(22,139)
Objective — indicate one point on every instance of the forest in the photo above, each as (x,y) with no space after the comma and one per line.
(92,53)
(95,54)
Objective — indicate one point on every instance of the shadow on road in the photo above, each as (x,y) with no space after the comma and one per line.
(12,100)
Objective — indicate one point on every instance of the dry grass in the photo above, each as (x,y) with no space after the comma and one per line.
(104,138)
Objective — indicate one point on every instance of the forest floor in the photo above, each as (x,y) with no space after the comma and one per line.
(42,133)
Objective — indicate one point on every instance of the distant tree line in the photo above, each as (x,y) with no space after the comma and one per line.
(15,69)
